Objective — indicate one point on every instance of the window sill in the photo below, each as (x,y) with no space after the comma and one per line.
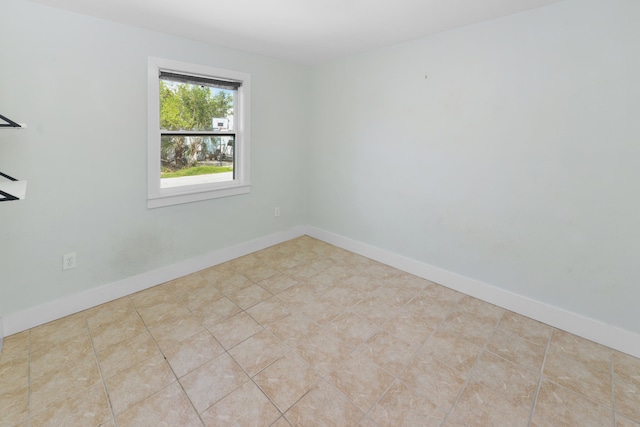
(161,200)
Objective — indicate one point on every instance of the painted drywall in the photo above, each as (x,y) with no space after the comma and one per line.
(80,85)
(506,152)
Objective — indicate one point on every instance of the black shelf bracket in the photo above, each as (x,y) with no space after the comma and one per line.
(8,123)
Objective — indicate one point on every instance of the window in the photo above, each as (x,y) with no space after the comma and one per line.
(198,132)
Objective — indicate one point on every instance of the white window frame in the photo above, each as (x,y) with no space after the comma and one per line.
(241,184)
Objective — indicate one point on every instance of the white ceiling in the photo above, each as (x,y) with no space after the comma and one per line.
(303,31)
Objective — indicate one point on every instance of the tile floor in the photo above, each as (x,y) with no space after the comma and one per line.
(306,334)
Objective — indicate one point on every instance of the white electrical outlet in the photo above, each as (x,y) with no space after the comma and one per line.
(277,212)
(69,261)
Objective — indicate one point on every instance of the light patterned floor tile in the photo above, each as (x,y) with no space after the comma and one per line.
(286,380)
(138,382)
(212,381)
(324,406)
(346,341)
(192,353)
(245,406)
(167,407)
(361,380)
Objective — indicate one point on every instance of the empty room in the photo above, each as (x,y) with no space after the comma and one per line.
(319,213)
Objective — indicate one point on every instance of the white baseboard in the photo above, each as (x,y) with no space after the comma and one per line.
(43,313)
(591,329)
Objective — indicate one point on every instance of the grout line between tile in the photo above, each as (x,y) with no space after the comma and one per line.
(104,383)
(466,382)
(540,377)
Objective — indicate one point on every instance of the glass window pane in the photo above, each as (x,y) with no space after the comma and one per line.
(189,160)
(194,107)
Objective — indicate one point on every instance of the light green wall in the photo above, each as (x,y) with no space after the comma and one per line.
(514,163)
(80,85)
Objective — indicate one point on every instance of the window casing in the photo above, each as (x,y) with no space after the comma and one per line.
(221,139)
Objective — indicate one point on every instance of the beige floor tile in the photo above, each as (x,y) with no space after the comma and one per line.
(442,295)
(625,422)
(261,272)
(323,350)
(431,378)
(286,380)
(269,310)
(307,269)
(432,309)
(217,274)
(366,422)
(258,352)
(58,356)
(506,378)
(249,296)
(525,328)
(482,407)
(88,408)
(245,406)
(518,350)
(246,262)
(452,350)
(389,352)
(217,311)
(376,310)
(52,333)
(157,295)
(352,329)
(580,377)
(297,296)
(345,296)
(192,353)
(162,312)
(409,281)
(410,328)
(234,283)
(361,380)
(401,406)
(138,382)
(572,347)
(195,296)
(127,353)
(72,379)
(322,312)
(473,320)
(537,421)
(110,312)
(397,292)
(626,367)
(281,422)
(563,407)
(277,283)
(167,407)
(378,270)
(172,332)
(627,398)
(293,328)
(234,330)
(15,346)
(212,381)
(14,407)
(14,374)
(197,292)
(124,327)
(324,406)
